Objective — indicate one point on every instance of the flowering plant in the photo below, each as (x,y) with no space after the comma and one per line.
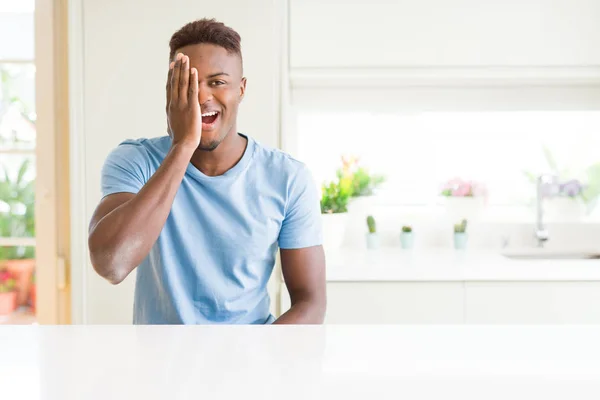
(7,282)
(572,188)
(460,188)
(335,196)
(363,182)
(570,182)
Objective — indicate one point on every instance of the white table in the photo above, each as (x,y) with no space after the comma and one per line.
(298,362)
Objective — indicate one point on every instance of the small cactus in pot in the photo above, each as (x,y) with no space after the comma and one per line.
(460,235)
(407,237)
(372,237)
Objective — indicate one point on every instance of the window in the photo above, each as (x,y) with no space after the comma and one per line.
(419,152)
(17,144)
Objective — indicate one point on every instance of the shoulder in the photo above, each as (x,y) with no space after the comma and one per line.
(138,157)
(139,151)
(289,176)
(142,146)
(280,163)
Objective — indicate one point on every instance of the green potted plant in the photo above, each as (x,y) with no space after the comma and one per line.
(363,185)
(334,210)
(407,237)
(372,237)
(17,206)
(8,293)
(574,197)
(460,235)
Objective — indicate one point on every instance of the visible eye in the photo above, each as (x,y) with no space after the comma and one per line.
(217,83)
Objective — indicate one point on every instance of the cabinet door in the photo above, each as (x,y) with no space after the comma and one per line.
(533,302)
(394,303)
(440,33)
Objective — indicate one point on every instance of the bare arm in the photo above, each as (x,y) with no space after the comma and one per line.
(304,275)
(125,226)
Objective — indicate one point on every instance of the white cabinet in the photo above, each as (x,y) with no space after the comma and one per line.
(514,302)
(458,33)
(532,302)
(394,303)
(391,302)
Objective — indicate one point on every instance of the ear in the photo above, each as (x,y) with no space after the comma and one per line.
(242,88)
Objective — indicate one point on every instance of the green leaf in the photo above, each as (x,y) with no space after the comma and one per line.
(22,171)
(531,177)
(551,160)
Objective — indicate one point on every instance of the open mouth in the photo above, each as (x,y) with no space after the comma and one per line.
(209,119)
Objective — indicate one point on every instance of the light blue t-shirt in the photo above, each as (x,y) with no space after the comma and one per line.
(217,249)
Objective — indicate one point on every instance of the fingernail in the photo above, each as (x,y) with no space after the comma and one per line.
(179,55)
(171,65)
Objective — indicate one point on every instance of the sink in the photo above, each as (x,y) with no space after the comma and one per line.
(543,254)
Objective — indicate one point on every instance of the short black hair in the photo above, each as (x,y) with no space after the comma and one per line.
(206,31)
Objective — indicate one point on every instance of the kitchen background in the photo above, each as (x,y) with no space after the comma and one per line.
(417,114)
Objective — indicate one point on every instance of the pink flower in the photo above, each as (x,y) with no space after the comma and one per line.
(5,276)
(452,184)
(457,187)
(462,190)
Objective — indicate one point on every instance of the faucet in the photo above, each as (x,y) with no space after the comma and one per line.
(541,233)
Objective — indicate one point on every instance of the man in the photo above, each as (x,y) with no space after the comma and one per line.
(200,212)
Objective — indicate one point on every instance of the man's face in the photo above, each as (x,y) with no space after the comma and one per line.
(220,90)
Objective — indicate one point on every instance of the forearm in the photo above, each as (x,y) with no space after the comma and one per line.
(123,238)
(308,311)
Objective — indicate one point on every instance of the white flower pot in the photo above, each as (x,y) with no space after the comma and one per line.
(469,208)
(460,240)
(407,240)
(361,206)
(372,240)
(334,230)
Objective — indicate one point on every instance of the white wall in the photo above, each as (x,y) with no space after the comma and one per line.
(120,60)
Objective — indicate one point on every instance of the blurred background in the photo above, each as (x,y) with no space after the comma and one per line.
(456,146)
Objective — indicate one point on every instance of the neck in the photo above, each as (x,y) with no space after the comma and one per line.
(223,158)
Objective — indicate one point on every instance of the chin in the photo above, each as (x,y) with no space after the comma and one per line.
(211,142)
(209,145)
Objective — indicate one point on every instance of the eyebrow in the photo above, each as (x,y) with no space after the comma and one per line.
(217,74)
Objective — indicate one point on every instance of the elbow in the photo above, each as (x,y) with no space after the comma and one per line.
(105,263)
(114,277)
(108,270)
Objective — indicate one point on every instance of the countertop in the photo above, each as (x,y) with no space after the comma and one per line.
(395,264)
(300,362)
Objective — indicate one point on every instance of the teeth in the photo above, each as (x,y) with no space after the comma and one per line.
(209,114)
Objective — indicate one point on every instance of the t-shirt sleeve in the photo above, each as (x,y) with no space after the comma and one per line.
(301,225)
(125,169)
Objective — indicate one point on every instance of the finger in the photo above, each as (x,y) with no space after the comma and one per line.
(171,65)
(175,78)
(193,91)
(168,87)
(184,78)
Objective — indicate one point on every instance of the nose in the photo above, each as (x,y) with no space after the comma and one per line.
(204,93)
